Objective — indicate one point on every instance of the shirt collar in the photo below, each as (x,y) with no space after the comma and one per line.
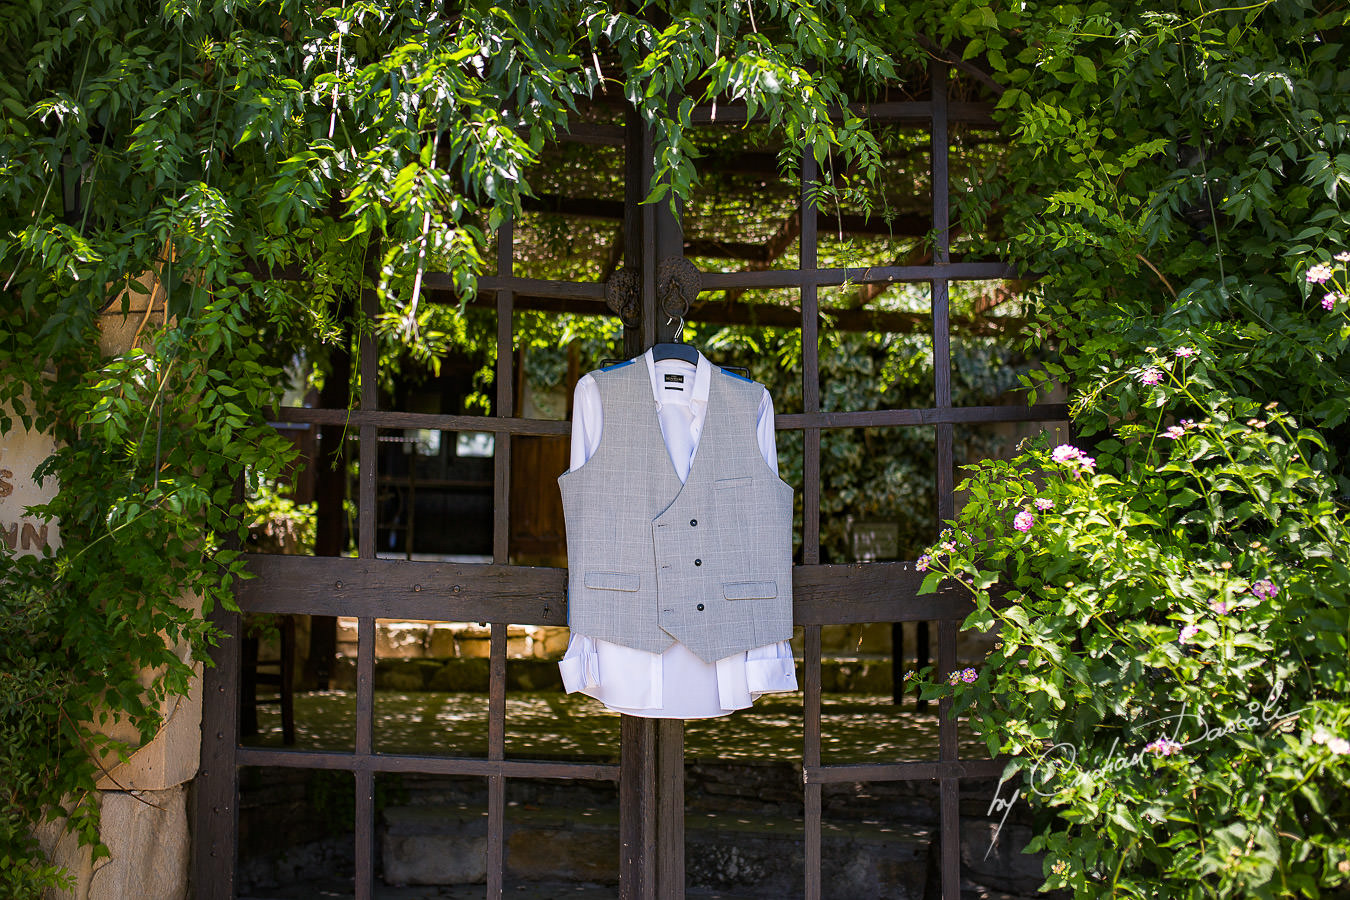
(702,379)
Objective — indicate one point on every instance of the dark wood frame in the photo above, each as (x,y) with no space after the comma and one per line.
(650,772)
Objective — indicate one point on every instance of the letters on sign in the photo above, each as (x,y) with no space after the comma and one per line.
(31,535)
(20,532)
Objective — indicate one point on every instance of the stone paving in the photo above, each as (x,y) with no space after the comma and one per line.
(854,727)
(342,890)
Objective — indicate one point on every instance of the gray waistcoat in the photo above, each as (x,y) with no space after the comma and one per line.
(651,561)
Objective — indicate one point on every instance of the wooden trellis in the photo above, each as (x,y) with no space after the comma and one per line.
(650,771)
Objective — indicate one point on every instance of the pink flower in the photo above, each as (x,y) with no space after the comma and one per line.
(1319,273)
(1069,455)
(1151,376)
(1184,352)
(1329,300)
(1338,745)
(1343,256)
(1265,589)
(1044,503)
(1163,747)
(1219,607)
(1024,520)
(922,564)
(1173,432)
(967,675)
(1188,633)
(1065,453)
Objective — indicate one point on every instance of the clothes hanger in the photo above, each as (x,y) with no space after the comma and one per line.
(668,350)
(676,349)
(673,349)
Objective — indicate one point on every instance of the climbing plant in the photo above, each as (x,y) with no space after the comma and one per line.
(1173,173)
(188,156)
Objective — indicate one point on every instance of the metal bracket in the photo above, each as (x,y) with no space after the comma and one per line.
(623,296)
(678,282)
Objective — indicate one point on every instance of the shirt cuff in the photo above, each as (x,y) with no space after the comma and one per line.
(770,669)
(580,665)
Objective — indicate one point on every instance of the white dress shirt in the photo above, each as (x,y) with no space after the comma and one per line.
(673,684)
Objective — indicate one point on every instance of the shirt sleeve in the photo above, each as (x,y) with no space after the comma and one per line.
(587,420)
(768,445)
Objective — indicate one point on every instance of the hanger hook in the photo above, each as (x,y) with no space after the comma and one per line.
(678,331)
(677,284)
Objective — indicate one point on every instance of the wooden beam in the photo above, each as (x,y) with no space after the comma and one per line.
(903,224)
(529,595)
(953,58)
(909,112)
(765,315)
(758,255)
(783,237)
(865,418)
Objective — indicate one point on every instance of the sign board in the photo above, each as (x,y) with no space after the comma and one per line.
(21,533)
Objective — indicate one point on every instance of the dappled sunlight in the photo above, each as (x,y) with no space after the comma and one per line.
(855,728)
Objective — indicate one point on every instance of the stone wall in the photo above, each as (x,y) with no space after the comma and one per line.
(743,835)
(143,800)
(423,639)
(453,656)
(447,640)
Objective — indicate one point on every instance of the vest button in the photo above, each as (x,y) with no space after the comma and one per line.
(698,562)
(700,607)
(693,522)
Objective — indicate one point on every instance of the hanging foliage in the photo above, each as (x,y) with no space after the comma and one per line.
(1175,172)
(185,155)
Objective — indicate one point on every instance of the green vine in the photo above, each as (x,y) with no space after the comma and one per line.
(185,154)
(1173,171)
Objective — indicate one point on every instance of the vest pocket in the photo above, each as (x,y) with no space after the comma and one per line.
(611,581)
(723,483)
(750,590)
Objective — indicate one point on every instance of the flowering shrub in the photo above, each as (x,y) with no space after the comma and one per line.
(1336,297)
(1170,678)
(1174,620)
